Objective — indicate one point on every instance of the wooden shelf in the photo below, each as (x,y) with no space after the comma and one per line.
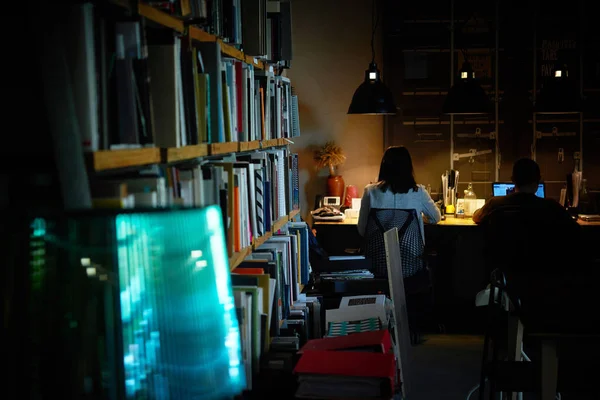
(237,258)
(271,143)
(280,223)
(185,153)
(224,148)
(248,146)
(260,240)
(198,34)
(446,122)
(113,159)
(293,214)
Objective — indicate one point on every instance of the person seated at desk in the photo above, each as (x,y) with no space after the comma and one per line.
(526,176)
(536,243)
(397,189)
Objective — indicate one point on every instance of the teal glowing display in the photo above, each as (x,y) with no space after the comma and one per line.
(135,305)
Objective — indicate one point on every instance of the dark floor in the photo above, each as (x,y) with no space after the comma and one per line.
(445,367)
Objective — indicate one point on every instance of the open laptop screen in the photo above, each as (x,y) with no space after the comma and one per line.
(504,188)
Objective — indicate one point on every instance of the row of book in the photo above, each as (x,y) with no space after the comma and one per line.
(136,85)
(259,27)
(274,315)
(253,189)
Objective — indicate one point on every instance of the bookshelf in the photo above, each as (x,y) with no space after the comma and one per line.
(239,256)
(195,33)
(134,164)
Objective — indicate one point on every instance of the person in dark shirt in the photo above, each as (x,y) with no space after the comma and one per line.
(526,177)
(537,244)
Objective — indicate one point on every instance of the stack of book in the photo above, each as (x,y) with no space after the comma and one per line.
(359,366)
(276,319)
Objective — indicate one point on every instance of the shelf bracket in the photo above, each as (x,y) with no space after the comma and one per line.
(553,133)
(471,154)
(478,135)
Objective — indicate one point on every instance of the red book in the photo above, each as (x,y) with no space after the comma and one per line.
(348,364)
(380,341)
(249,271)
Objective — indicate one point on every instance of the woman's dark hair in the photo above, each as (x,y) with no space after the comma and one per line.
(396,171)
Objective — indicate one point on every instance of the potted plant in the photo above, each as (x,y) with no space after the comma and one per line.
(331,156)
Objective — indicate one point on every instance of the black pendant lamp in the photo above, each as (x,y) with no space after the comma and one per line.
(559,94)
(466,97)
(372,96)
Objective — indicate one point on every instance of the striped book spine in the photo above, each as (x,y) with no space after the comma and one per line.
(258,182)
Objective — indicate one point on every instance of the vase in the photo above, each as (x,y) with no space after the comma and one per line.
(335,186)
(351,193)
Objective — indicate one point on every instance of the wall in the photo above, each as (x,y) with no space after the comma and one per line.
(417,62)
(331,52)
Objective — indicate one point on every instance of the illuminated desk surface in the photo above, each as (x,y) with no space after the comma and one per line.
(449,221)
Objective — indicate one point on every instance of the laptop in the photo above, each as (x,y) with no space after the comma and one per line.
(504,188)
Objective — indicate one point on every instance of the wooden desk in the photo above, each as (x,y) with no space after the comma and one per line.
(449,221)
(458,262)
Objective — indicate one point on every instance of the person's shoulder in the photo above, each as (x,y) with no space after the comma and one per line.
(496,201)
(372,187)
(418,189)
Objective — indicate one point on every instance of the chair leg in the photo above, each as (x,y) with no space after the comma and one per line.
(549,361)
(482,380)
(515,344)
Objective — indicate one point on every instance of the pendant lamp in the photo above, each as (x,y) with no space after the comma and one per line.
(373,97)
(466,97)
(559,94)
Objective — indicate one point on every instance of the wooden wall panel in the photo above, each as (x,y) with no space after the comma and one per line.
(417,67)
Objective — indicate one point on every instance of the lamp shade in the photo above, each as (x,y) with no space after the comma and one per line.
(466,96)
(372,97)
(559,94)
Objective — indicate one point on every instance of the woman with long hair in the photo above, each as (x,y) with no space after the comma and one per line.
(397,189)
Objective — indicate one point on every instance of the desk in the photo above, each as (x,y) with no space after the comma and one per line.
(457,249)
(449,221)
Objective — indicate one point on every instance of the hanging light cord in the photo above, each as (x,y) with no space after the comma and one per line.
(374,23)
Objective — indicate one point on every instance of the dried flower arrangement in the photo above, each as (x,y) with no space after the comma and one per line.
(330,155)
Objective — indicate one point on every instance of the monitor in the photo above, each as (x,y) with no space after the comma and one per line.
(504,188)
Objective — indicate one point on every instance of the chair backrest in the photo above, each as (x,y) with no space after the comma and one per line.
(412,247)
(538,256)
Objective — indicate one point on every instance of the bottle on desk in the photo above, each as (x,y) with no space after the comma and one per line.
(470,201)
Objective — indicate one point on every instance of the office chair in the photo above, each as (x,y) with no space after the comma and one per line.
(504,364)
(417,276)
(537,256)
(532,263)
